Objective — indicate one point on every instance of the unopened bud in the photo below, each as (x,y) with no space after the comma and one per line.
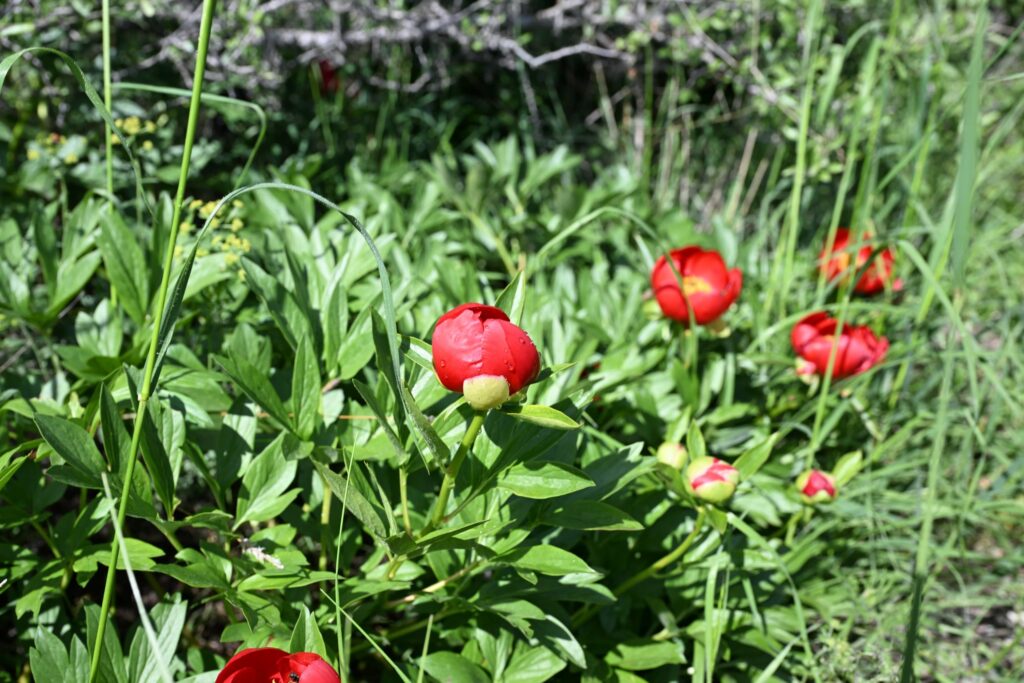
(671,454)
(712,480)
(816,487)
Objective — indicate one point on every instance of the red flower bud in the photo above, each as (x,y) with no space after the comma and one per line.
(712,480)
(328,77)
(478,352)
(876,276)
(709,288)
(859,348)
(816,487)
(270,665)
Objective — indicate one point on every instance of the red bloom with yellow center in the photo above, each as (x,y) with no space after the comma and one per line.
(859,349)
(708,286)
(816,487)
(835,264)
(270,665)
(478,352)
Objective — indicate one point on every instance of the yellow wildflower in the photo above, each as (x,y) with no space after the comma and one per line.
(147,145)
(150,127)
(237,224)
(185,227)
(202,252)
(32,154)
(230,258)
(71,159)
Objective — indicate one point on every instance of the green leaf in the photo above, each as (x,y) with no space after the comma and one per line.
(168,622)
(83,464)
(264,484)
(255,385)
(448,667)
(512,299)
(48,658)
(548,559)
(306,384)
(590,515)
(532,665)
(753,459)
(847,468)
(306,635)
(645,655)
(354,501)
(112,669)
(545,416)
(280,303)
(695,442)
(125,264)
(540,480)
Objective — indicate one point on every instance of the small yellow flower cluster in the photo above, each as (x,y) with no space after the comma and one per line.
(231,245)
(132,126)
(55,145)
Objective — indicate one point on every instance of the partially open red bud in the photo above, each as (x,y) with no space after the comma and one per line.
(712,480)
(480,353)
(671,454)
(816,487)
(270,665)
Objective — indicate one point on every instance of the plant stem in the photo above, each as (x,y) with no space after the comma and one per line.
(325,525)
(161,302)
(453,470)
(584,615)
(107,97)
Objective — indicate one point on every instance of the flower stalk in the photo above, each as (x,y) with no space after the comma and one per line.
(665,561)
(452,472)
(161,303)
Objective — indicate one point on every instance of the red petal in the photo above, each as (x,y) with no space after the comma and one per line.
(699,266)
(474,340)
(252,665)
(310,668)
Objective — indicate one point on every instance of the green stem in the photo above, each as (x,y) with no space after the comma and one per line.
(325,525)
(584,615)
(453,470)
(161,303)
(107,97)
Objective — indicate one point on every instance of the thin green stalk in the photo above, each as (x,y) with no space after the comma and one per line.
(107,97)
(453,470)
(585,614)
(325,525)
(161,302)
(922,559)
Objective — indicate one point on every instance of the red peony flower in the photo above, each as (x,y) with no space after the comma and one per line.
(816,487)
(712,480)
(479,353)
(859,348)
(709,288)
(875,277)
(270,665)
